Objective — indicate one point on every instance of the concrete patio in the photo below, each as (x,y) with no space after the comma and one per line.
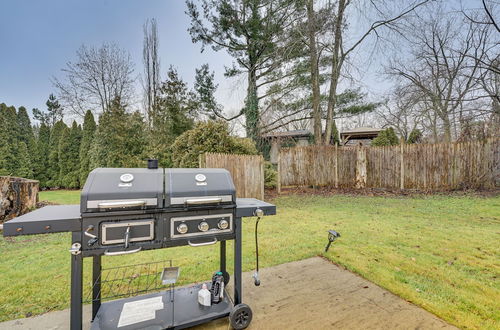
(307,294)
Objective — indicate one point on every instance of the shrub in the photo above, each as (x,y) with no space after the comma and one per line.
(211,136)
(386,138)
(415,136)
(270,175)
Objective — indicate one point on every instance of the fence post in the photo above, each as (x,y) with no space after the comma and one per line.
(262,177)
(201,162)
(278,183)
(336,166)
(360,167)
(402,184)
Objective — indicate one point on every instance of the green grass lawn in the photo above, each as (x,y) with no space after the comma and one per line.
(439,252)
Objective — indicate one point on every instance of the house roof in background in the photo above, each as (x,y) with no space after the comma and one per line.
(294,133)
(362,130)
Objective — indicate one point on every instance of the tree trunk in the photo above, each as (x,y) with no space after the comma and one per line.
(252,107)
(336,65)
(313,54)
(17,196)
(446,128)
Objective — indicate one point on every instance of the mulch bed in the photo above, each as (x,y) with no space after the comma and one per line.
(330,191)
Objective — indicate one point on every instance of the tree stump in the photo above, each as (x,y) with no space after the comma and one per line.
(17,196)
(360,167)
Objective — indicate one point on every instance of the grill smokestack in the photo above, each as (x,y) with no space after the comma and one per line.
(152,164)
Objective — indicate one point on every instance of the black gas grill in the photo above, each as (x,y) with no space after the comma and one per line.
(128,210)
(125,211)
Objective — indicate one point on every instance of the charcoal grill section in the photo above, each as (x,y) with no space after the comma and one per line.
(117,189)
(127,231)
(121,233)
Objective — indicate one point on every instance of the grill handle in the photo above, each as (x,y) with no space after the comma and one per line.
(119,253)
(112,205)
(202,244)
(195,201)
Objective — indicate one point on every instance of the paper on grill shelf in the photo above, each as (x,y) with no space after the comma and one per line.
(140,311)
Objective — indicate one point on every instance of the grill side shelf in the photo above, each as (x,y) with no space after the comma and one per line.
(245,207)
(45,220)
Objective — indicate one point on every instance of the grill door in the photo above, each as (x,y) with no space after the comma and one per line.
(115,232)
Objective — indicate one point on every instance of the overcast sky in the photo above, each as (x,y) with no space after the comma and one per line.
(37,38)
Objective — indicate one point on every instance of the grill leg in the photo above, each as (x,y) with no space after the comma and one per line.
(237,262)
(96,288)
(223,256)
(76,287)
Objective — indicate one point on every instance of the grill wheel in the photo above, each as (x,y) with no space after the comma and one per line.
(240,317)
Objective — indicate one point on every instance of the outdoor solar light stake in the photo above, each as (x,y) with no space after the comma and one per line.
(332,236)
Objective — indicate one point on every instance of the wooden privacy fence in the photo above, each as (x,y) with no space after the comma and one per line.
(445,166)
(247,171)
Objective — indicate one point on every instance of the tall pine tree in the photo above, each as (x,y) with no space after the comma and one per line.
(54,168)
(69,149)
(54,112)
(24,169)
(11,132)
(4,147)
(120,139)
(172,116)
(89,127)
(25,135)
(41,165)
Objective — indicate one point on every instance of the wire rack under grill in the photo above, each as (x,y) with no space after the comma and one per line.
(130,280)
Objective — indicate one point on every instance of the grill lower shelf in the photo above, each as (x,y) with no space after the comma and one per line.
(158,311)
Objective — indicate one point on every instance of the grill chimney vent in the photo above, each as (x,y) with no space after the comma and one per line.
(152,164)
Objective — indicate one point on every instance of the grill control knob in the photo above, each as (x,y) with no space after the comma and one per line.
(182,228)
(223,224)
(203,226)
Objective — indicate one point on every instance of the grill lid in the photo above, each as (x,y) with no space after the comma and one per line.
(111,189)
(198,186)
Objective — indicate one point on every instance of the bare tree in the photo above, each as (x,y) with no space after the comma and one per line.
(443,66)
(151,60)
(330,40)
(312,29)
(489,63)
(401,111)
(341,49)
(489,9)
(95,79)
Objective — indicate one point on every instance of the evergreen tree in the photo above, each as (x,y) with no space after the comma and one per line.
(172,116)
(415,136)
(11,134)
(335,140)
(4,147)
(119,139)
(25,130)
(386,137)
(212,136)
(41,166)
(54,112)
(25,168)
(250,32)
(69,149)
(25,134)
(54,168)
(89,127)
(205,89)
